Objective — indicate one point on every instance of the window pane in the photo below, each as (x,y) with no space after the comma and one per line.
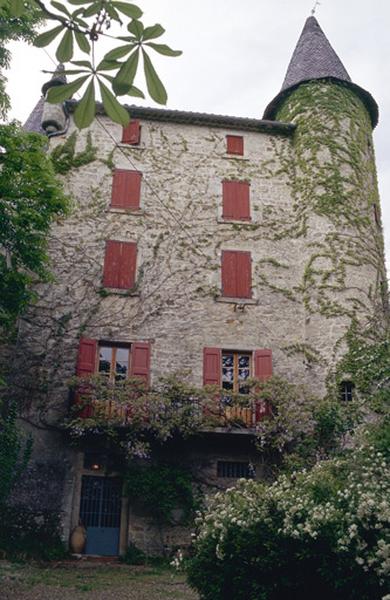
(227,371)
(105,356)
(243,372)
(122,363)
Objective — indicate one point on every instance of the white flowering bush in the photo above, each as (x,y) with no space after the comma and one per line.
(322,533)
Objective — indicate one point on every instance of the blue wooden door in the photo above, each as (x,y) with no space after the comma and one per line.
(100,513)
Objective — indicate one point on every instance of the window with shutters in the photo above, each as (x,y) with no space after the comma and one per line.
(236,369)
(114,360)
(235,144)
(126,189)
(235,201)
(131,134)
(120,261)
(236,274)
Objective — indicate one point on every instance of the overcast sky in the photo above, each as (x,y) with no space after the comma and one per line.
(235,55)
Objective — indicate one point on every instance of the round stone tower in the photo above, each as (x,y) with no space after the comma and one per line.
(335,205)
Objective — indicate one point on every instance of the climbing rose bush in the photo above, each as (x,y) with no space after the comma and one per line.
(323,534)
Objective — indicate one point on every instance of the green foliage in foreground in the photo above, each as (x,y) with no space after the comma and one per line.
(14,453)
(79,25)
(26,534)
(31,198)
(323,533)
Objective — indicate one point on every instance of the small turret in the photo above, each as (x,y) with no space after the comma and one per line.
(54,116)
(314,59)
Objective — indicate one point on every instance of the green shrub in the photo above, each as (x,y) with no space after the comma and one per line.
(323,533)
(26,534)
(133,556)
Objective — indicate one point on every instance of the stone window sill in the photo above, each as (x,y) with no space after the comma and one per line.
(136,212)
(131,146)
(240,301)
(235,157)
(105,291)
(222,221)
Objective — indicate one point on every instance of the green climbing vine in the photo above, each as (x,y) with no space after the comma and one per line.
(64,156)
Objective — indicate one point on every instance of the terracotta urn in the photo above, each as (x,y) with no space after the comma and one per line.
(78,538)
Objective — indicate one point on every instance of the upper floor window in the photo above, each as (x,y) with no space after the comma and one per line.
(235,200)
(346,391)
(120,264)
(236,369)
(236,274)
(235,144)
(131,134)
(114,361)
(126,189)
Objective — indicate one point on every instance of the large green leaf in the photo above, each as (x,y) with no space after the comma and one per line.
(47,37)
(136,28)
(108,65)
(118,52)
(130,10)
(60,7)
(113,109)
(153,32)
(65,48)
(82,63)
(155,87)
(92,10)
(163,49)
(125,76)
(60,93)
(86,108)
(82,42)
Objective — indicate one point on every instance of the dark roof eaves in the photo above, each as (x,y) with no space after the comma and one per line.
(364,96)
(194,118)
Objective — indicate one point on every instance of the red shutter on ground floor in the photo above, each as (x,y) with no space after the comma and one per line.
(140,360)
(236,272)
(120,263)
(235,144)
(126,189)
(235,200)
(131,134)
(212,366)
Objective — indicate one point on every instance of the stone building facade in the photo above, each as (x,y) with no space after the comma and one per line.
(197,241)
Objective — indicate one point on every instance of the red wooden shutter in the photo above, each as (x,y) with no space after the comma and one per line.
(120,263)
(127,267)
(236,274)
(235,144)
(126,189)
(86,365)
(235,196)
(243,275)
(86,359)
(140,360)
(112,260)
(131,134)
(263,364)
(212,365)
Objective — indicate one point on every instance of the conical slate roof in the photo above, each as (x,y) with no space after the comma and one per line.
(314,58)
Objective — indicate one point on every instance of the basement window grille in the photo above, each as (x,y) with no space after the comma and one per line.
(235,470)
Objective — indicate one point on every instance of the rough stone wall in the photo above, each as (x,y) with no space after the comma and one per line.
(180,235)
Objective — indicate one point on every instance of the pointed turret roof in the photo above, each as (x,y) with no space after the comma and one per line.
(314,58)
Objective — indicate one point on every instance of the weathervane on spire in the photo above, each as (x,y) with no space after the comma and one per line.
(315,7)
